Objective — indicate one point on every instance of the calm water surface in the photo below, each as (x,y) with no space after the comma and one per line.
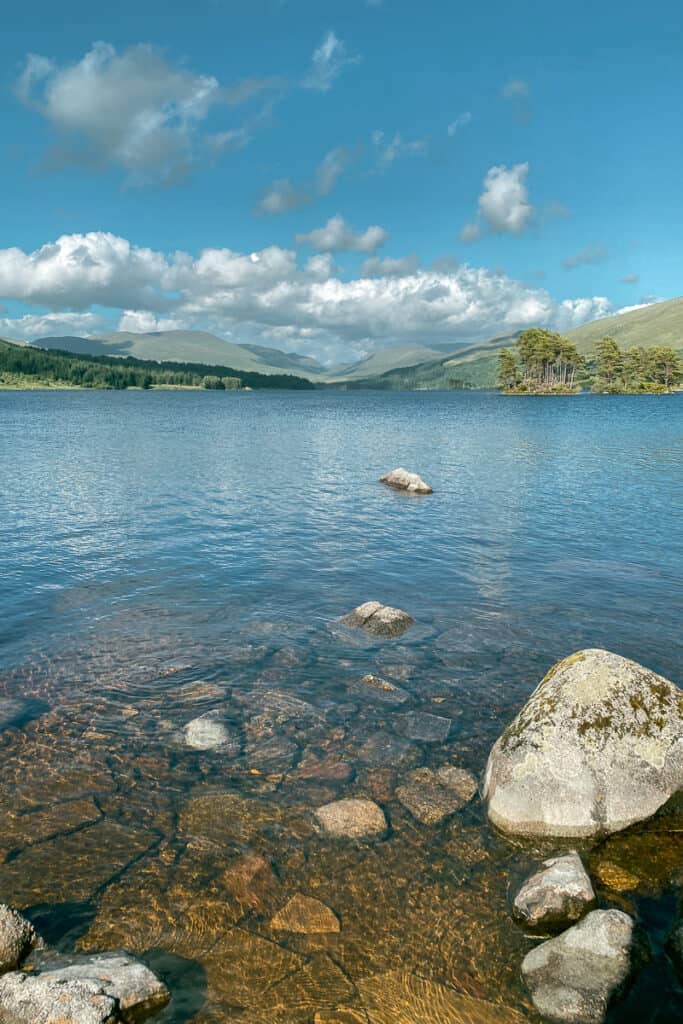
(165,554)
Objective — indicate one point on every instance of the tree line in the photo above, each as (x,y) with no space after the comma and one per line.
(548,363)
(61,367)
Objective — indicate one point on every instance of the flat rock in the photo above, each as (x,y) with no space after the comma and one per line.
(305,915)
(352,819)
(398,997)
(458,779)
(428,798)
(250,881)
(83,990)
(597,747)
(555,897)
(379,619)
(424,727)
(272,754)
(404,480)
(377,689)
(326,769)
(17,938)
(211,732)
(384,748)
(574,977)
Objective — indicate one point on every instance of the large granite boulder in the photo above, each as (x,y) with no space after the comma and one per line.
(17,938)
(554,897)
(379,619)
(403,480)
(575,977)
(101,989)
(597,747)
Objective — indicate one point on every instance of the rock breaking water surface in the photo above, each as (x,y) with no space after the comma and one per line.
(167,555)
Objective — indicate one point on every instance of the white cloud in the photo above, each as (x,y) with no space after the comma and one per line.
(391,149)
(282,195)
(337,236)
(503,204)
(461,121)
(330,168)
(591,254)
(138,321)
(268,297)
(378,266)
(45,325)
(328,62)
(516,89)
(134,108)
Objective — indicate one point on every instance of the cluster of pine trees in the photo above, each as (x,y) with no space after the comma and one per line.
(36,364)
(545,363)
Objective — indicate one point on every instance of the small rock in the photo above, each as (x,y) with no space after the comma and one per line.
(458,779)
(328,769)
(17,938)
(97,989)
(616,878)
(210,732)
(385,749)
(272,754)
(305,915)
(352,819)
(376,688)
(574,977)
(403,480)
(425,728)
(428,799)
(555,897)
(379,619)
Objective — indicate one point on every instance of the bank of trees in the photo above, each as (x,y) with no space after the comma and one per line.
(637,370)
(543,362)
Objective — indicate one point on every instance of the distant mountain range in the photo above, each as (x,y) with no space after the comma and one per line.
(440,365)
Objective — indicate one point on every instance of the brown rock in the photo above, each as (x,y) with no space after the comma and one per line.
(305,915)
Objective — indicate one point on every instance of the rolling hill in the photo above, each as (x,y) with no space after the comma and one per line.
(658,324)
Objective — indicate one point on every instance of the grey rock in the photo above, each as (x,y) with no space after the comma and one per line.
(99,989)
(352,819)
(459,779)
(430,799)
(17,938)
(555,897)
(404,480)
(377,689)
(597,747)
(384,749)
(271,753)
(211,732)
(573,978)
(277,706)
(379,619)
(425,728)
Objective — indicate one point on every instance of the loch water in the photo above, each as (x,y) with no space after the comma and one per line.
(164,554)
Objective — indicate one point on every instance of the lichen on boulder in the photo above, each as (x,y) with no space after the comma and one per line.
(597,747)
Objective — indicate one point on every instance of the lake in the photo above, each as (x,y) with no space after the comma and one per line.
(165,554)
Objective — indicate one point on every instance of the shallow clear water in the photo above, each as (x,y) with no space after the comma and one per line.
(149,541)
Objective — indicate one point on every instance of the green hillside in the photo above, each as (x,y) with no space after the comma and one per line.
(659,324)
(393,357)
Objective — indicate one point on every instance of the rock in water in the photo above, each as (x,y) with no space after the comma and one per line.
(598,747)
(398,997)
(17,938)
(305,915)
(210,732)
(99,989)
(377,689)
(403,480)
(379,619)
(433,796)
(352,819)
(573,977)
(555,897)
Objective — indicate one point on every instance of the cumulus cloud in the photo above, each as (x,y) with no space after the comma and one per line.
(516,89)
(503,204)
(132,108)
(378,266)
(591,254)
(268,297)
(630,278)
(328,62)
(337,236)
(141,321)
(461,121)
(282,195)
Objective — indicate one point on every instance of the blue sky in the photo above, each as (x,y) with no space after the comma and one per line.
(332,177)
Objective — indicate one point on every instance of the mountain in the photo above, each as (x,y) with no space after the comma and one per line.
(391,358)
(475,365)
(12,341)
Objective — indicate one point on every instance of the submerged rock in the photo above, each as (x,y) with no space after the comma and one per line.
(555,897)
(573,978)
(272,754)
(305,915)
(399,996)
(431,796)
(404,480)
(598,747)
(425,728)
(251,882)
(211,732)
(378,689)
(99,989)
(384,749)
(17,938)
(352,819)
(379,619)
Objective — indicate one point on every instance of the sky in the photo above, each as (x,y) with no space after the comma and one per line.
(333,177)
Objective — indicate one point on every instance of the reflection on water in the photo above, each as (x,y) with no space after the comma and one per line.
(168,555)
